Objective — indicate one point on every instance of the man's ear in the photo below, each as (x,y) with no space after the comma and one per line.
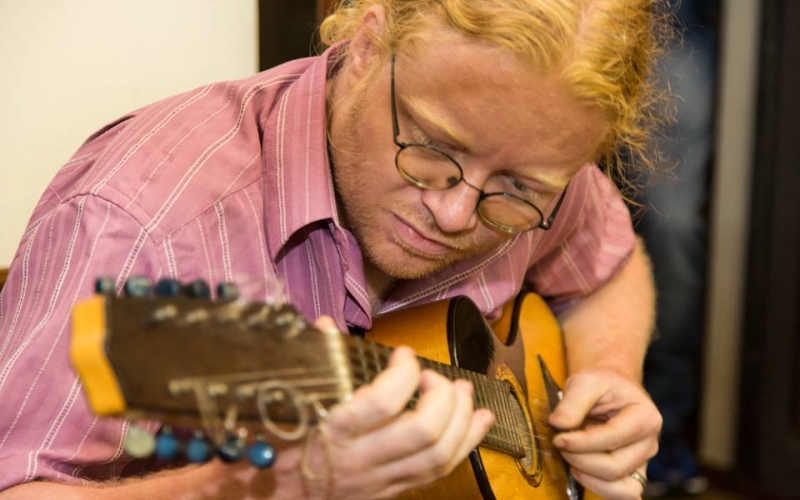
(364,50)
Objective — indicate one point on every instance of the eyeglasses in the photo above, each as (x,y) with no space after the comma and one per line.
(427,167)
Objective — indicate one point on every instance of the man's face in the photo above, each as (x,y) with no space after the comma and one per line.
(493,114)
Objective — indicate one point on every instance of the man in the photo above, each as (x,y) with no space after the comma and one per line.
(441,149)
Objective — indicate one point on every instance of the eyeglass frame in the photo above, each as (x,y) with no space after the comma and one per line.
(545,225)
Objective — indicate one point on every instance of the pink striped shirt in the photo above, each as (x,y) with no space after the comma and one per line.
(230,182)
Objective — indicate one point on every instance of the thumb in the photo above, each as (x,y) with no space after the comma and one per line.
(326,324)
(581,394)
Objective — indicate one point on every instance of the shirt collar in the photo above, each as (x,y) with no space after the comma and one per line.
(298,181)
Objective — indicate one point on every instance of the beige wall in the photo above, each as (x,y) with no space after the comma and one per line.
(70,66)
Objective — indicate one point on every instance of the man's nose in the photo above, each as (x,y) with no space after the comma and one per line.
(454,209)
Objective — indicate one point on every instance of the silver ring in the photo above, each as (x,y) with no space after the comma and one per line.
(640,479)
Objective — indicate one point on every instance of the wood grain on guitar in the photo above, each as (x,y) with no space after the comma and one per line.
(250,367)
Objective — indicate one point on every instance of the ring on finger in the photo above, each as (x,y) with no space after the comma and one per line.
(640,479)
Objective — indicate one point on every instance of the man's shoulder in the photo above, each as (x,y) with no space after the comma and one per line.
(175,158)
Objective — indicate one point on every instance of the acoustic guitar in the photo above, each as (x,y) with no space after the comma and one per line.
(252,368)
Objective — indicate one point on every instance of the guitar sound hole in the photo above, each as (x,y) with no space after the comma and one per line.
(531,463)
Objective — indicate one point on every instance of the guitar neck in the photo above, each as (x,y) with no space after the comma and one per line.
(367,360)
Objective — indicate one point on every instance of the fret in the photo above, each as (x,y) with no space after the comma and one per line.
(363,363)
(375,358)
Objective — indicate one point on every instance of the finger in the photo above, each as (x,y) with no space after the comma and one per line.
(477,426)
(439,460)
(439,407)
(581,394)
(455,442)
(611,466)
(463,429)
(625,488)
(425,468)
(634,422)
(380,401)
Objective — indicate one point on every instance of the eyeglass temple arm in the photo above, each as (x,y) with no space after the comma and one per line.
(554,213)
(395,124)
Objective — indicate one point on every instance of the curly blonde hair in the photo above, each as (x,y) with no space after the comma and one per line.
(603,50)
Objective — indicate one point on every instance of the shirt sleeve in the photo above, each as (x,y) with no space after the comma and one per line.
(46,427)
(599,243)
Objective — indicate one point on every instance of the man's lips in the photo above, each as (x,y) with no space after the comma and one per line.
(414,239)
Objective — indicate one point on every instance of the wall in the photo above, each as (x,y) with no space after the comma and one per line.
(69,67)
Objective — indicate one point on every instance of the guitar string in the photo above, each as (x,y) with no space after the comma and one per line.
(299,378)
(503,424)
(327,378)
(444,369)
(493,398)
(541,437)
(380,354)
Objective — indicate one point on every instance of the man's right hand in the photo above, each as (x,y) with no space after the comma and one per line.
(379,449)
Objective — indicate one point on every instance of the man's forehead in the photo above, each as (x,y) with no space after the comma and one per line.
(514,121)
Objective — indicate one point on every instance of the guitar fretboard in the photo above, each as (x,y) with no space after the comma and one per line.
(368,359)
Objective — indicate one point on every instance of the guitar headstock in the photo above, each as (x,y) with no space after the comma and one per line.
(167,351)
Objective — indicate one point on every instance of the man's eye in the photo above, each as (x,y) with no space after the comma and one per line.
(520,186)
(429,142)
(421,138)
(525,191)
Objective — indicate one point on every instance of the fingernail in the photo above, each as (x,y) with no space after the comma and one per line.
(560,442)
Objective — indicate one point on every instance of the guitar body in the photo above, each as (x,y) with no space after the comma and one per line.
(454,332)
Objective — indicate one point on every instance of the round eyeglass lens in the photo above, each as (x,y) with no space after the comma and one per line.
(508,213)
(428,167)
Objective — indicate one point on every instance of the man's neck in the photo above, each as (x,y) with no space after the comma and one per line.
(379,285)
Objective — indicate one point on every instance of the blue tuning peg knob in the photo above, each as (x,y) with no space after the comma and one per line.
(167,445)
(198,449)
(104,285)
(232,449)
(138,286)
(261,454)
(227,291)
(198,289)
(167,287)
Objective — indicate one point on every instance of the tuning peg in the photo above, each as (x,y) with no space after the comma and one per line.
(167,445)
(198,289)
(167,287)
(232,449)
(138,286)
(227,291)
(104,285)
(198,449)
(261,454)
(139,443)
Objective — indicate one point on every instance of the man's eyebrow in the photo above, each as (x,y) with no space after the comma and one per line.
(438,122)
(552,183)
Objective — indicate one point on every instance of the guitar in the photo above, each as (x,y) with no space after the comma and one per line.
(227,365)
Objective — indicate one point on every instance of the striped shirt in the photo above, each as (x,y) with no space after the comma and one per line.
(230,182)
